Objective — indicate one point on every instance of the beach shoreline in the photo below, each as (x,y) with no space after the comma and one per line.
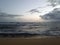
(30,41)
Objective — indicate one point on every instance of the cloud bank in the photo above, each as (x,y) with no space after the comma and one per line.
(5,17)
(54,2)
(34,11)
(54,15)
(2,14)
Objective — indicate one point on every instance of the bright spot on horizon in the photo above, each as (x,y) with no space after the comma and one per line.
(31,18)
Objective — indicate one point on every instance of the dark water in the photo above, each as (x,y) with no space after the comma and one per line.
(30,28)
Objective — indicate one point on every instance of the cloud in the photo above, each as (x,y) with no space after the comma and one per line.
(53,15)
(54,2)
(5,17)
(34,11)
(2,14)
(41,9)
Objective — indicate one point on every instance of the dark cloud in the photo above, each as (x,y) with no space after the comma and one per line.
(54,2)
(34,11)
(8,15)
(54,15)
(5,17)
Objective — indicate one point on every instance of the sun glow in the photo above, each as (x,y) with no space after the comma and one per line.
(31,18)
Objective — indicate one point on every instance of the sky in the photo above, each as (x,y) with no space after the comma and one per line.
(30,10)
(19,6)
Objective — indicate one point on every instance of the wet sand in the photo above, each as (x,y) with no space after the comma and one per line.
(30,41)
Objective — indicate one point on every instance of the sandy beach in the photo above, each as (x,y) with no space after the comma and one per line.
(30,41)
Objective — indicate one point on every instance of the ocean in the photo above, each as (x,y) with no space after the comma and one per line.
(30,28)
